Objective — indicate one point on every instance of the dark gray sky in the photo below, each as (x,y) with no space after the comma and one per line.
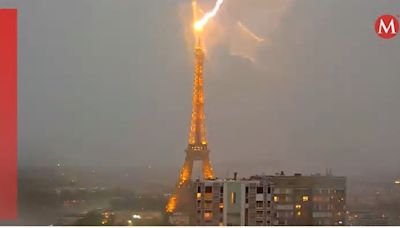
(108,82)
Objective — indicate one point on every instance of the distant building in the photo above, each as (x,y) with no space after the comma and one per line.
(271,200)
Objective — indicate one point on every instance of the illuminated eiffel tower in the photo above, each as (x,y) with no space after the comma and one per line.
(197,150)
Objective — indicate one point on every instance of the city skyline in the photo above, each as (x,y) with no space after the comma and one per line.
(313,100)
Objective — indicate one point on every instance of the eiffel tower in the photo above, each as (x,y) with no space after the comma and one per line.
(197,149)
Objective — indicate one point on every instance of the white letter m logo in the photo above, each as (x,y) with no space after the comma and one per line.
(385,28)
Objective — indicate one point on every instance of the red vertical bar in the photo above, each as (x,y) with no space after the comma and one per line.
(8,114)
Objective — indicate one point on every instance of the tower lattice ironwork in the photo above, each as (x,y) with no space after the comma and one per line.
(197,149)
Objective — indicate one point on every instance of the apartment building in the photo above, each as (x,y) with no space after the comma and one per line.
(271,200)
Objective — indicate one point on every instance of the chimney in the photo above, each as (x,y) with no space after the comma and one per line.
(235,176)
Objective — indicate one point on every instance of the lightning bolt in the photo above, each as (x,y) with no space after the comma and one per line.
(199,25)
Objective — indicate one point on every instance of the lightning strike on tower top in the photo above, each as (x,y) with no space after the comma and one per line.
(199,24)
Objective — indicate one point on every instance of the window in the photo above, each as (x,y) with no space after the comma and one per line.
(221,189)
(208,189)
(305,198)
(259,203)
(247,189)
(260,190)
(268,203)
(269,190)
(233,197)
(199,189)
(208,215)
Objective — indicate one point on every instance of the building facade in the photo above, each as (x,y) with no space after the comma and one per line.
(271,200)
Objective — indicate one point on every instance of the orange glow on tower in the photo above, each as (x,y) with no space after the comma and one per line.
(197,149)
(197,134)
